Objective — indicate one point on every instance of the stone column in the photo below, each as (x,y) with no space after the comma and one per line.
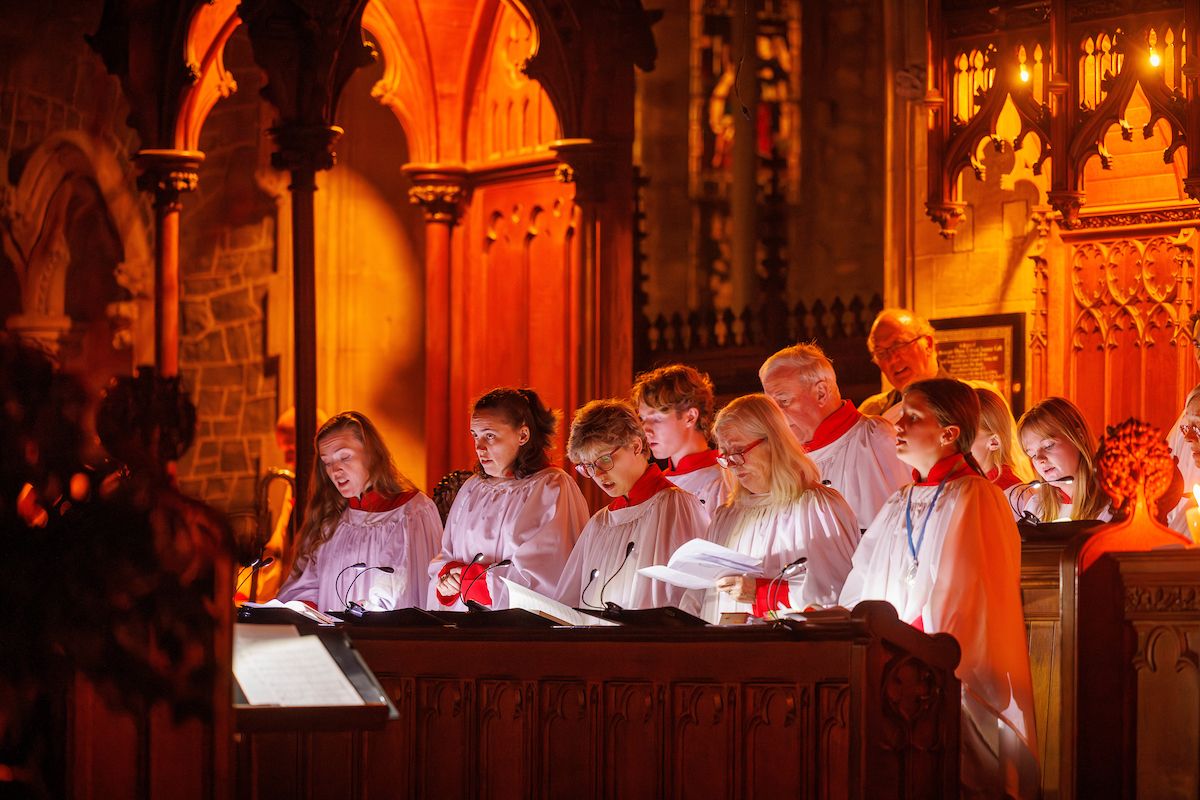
(743,199)
(167,174)
(442,193)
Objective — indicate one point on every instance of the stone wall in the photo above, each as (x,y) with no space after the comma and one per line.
(228,261)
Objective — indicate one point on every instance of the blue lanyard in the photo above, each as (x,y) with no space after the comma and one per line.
(908,526)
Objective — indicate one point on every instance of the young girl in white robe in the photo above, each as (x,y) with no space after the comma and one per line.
(1057,440)
(361,511)
(945,553)
(517,518)
(648,518)
(780,512)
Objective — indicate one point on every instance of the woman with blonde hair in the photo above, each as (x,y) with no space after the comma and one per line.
(996,449)
(804,532)
(1062,448)
(945,552)
(368,533)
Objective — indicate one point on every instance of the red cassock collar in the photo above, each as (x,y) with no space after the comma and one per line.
(373,501)
(834,426)
(950,465)
(692,462)
(1003,476)
(651,483)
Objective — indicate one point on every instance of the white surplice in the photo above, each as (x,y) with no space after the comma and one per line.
(711,485)
(862,465)
(404,538)
(534,521)
(656,527)
(819,526)
(1177,519)
(967,584)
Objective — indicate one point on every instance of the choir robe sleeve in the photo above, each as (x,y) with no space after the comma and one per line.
(877,536)
(409,551)
(976,598)
(827,530)
(304,582)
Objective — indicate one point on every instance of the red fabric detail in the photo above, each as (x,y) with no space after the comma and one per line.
(919,624)
(475,584)
(447,599)
(764,594)
(374,501)
(1063,497)
(834,426)
(692,462)
(943,469)
(651,483)
(1003,477)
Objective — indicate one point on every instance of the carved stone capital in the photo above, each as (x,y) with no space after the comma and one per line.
(168,174)
(304,148)
(947,215)
(1067,204)
(441,191)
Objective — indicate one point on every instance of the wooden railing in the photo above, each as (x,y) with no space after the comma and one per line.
(731,346)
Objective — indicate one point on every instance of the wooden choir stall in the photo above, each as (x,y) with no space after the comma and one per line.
(859,706)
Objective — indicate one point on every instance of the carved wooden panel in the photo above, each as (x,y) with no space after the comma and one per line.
(567,712)
(505,730)
(444,725)
(703,727)
(1168,695)
(633,739)
(833,732)
(387,756)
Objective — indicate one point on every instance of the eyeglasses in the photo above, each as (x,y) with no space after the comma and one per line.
(602,464)
(1190,431)
(728,460)
(886,353)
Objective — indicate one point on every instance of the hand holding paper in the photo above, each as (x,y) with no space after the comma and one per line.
(699,563)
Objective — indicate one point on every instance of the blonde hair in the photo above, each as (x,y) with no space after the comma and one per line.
(996,418)
(1059,418)
(802,362)
(612,423)
(325,503)
(756,416)
(677,387)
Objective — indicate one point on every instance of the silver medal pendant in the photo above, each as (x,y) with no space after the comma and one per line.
(911,575)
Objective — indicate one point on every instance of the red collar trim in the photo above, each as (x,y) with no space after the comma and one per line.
(834,426)
(374,501)
(692,462)
(943,470)
(651,483)
(1003,476)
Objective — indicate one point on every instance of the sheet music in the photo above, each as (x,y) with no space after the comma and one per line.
(276,666)
(698,564)
(523,597)
(303,609)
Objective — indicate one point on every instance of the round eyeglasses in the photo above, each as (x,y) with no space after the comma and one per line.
(728,460)
(885,353)
(601,465)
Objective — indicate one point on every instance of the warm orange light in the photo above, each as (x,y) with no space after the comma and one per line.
(1196,492)
(1024,74)
(1155,58)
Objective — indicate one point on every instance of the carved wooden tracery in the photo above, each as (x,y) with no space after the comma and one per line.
(1070,70)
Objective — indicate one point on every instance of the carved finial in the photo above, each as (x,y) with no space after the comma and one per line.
(1133,457)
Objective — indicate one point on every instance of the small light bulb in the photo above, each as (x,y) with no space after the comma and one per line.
(1024,74)
(1155,58)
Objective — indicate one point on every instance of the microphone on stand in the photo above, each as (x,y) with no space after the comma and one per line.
(337,582)
(475,605)
(610,606)
(776,583)
(356,609)
(1017,497)
(254,566)
(583,594)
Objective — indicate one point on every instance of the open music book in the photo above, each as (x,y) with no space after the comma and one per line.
(276,666)
(698,564)
(303,609)
(523,597)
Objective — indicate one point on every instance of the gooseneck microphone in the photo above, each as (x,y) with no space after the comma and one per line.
(613,606)
(337,582)
(254,566)
(473,604)
(353,608)
(789,569)
(1018,497)
(583,594)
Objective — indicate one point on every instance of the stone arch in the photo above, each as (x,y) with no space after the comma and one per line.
(69,174)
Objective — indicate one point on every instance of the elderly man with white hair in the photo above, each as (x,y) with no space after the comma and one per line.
(855,453)
(902,346)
